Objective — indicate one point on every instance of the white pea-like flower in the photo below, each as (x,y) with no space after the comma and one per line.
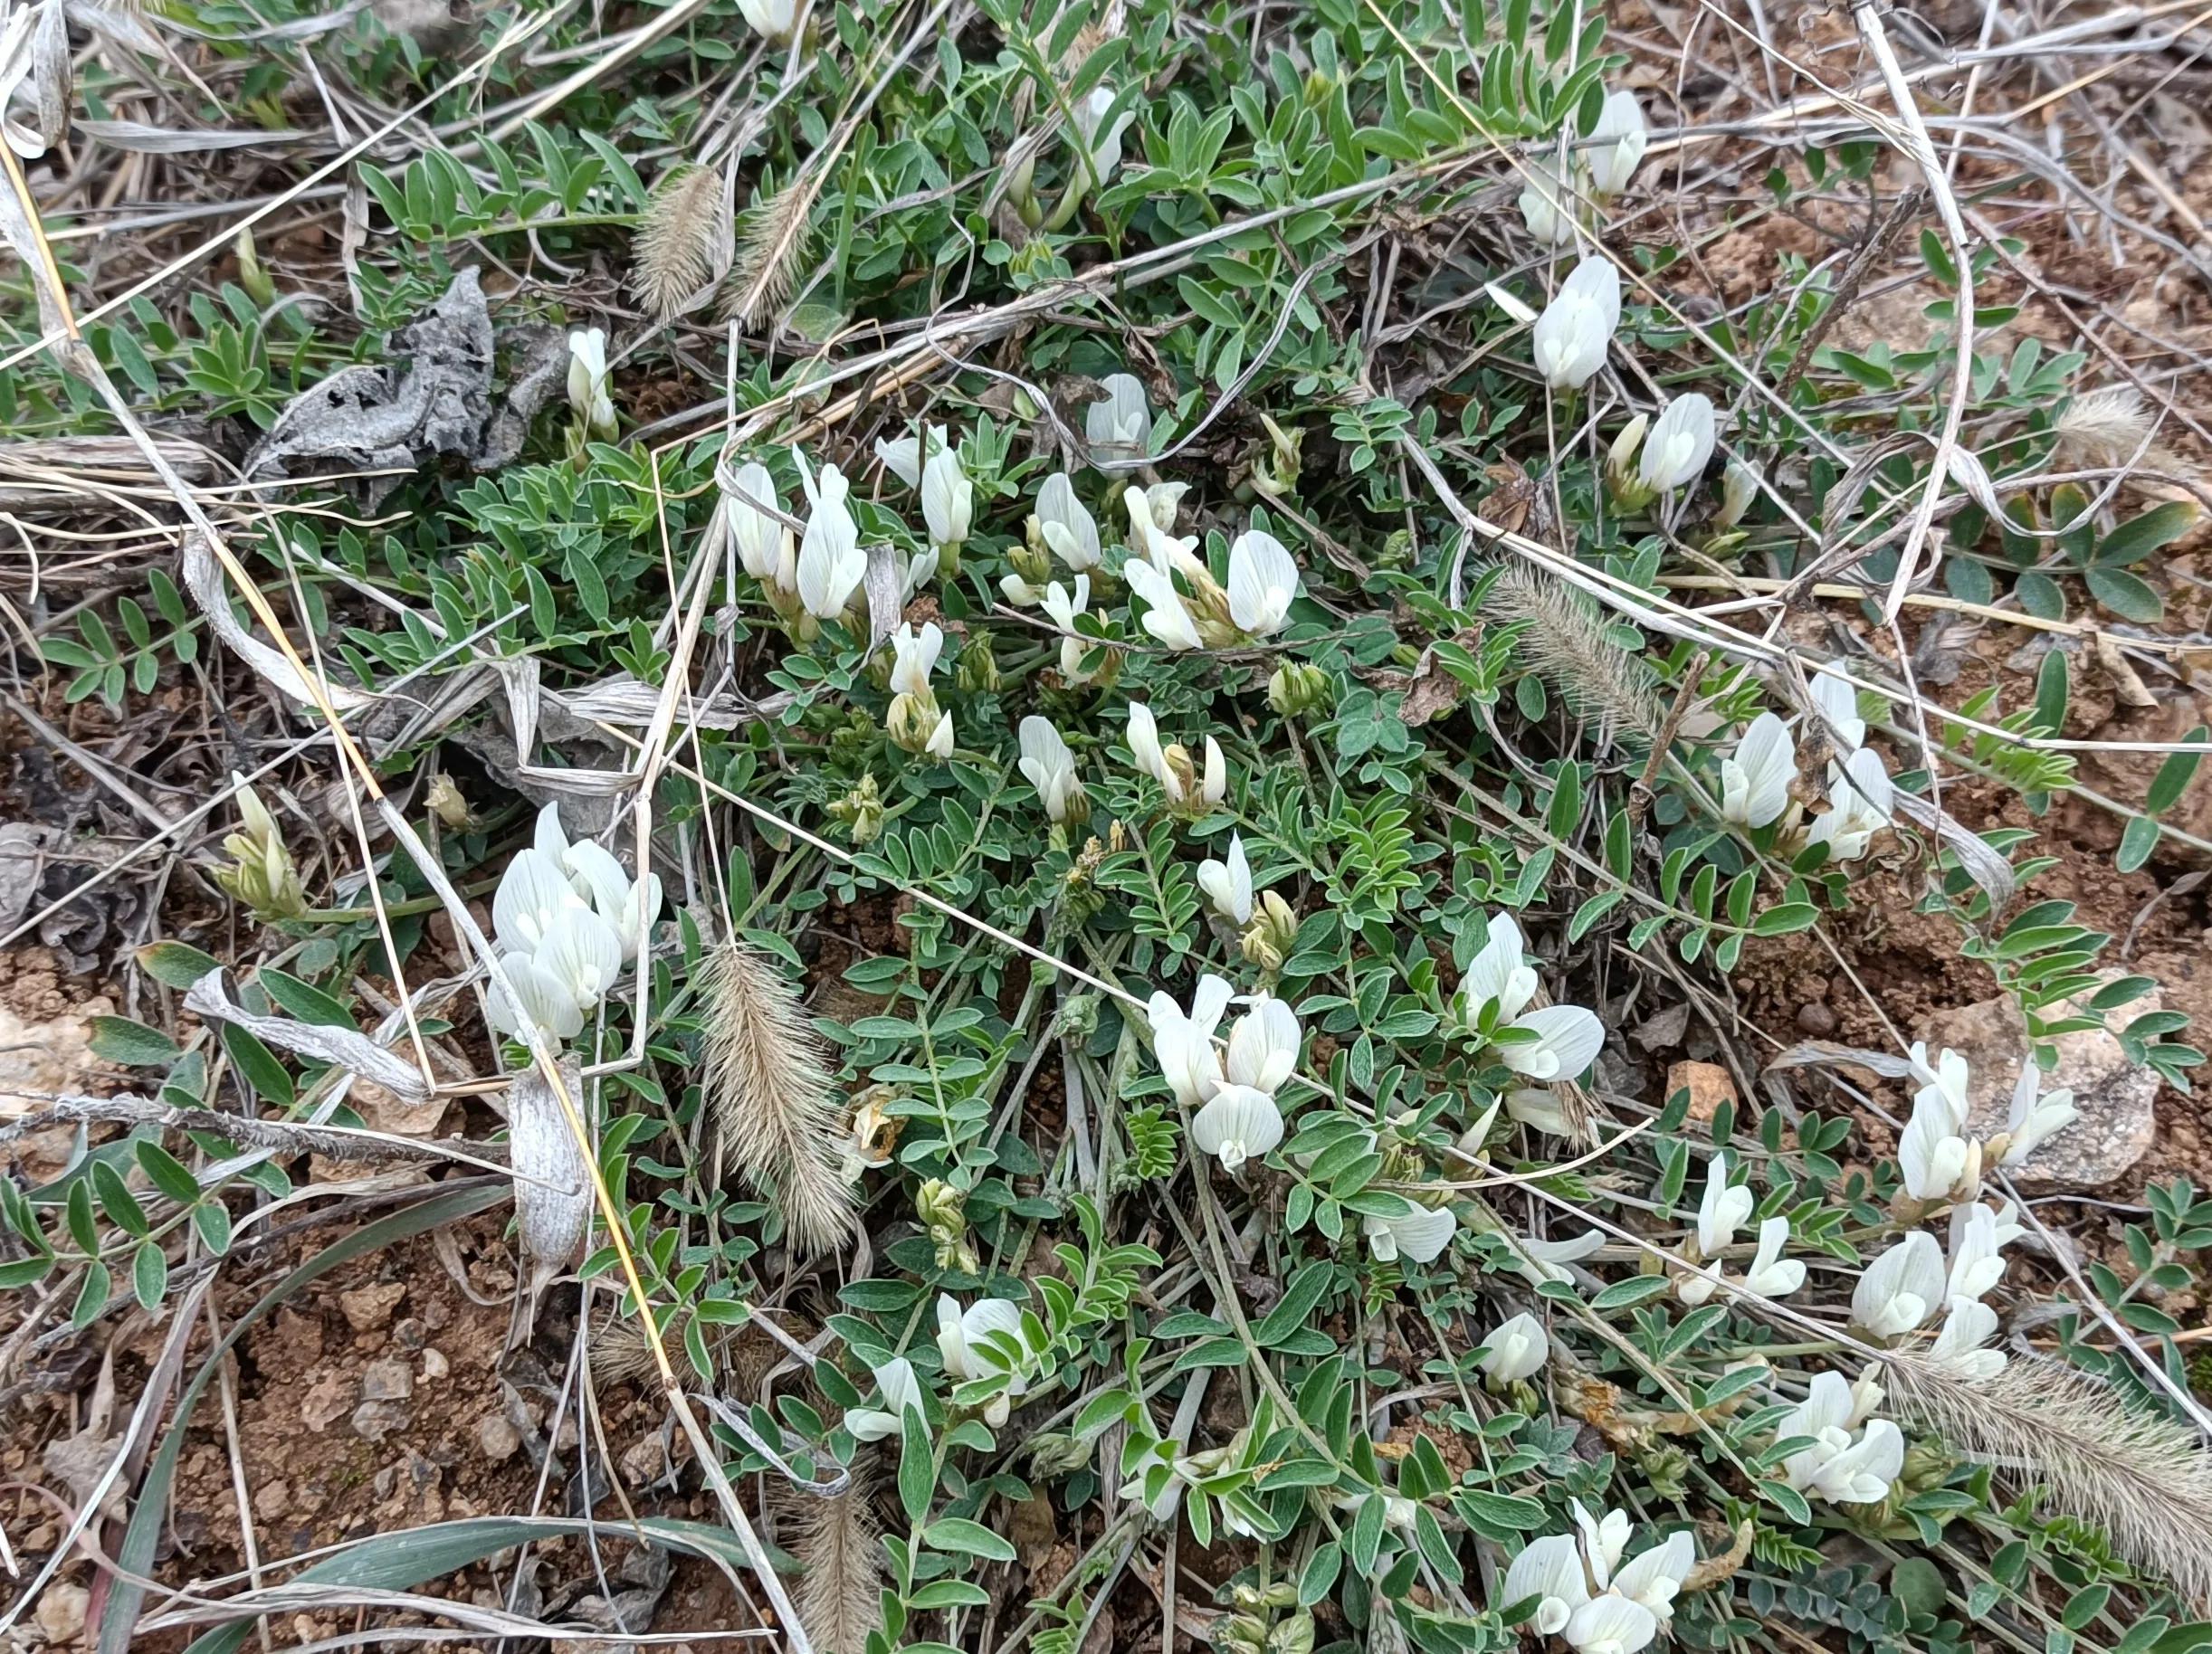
(1183,1040)
(1069,531)
(765,544)
(1900,1288)
(939,744)
(1621,140)
(1968,1324)
(1679,443)
(1263,583)
(1264,1044)
(1977,1258)
(1498,973)
(1935,1158)
(587,381)
(1654,1576)
(2035,1116)
(581,955)
(1167,619)
(981,1342)
(1227,883)
(1119,425)
(1099,140)
(1551,1569)
(1572,336)
(1049,766)
(540,994)
(830,564)
(1610,1624)
(1517,1349)
(1563,1040)
(1860,801)
(1771,1275)
(1739,488)
(1237,1123)
(1418,1235)
(1755,778)
(947,497)
(900,1389)
(772,19)
(1063,606)
(1547,206)
(1863,1472)
(533,891)
(914,657)
(1838,704)
(1604,1540)
(902,455)
(1723,1211)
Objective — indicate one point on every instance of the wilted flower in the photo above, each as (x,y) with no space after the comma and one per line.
(1228,884)
(1263,583)
(1755,778)
(901,1394)
(1517,1349)
(1099,140)
(765,543)
(262,875)
(587,383)
(1900,1288)
(1571,335)
(1419,1234)
(1119,425)
(1067,527)
(1679,442)
(1621,480)
(1237,1123)
(830,564)
(1050,767)
(1548,205)
(982,1341)
(1621,141)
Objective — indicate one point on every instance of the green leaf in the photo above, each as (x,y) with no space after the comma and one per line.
(303,1000)
(1636,1289)
(2136,844)
(2174,775)
(2050,692)
(149,1274)
(166,1172)
(2130,596)
(1298,1302)
(2138,538)
(917,1466)
(119,1039)
(958,1536)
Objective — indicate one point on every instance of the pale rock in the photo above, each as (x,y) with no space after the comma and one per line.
(61,1610)
(1708,1083)
(368,1310)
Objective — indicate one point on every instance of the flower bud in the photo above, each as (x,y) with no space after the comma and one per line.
(262,875)
(860,811)
(1056,1454)
(1739,488)
(1268,939)
(943,1211)
(978,670)
(911,720)
(1294,1635)
(447,804)
(1033,563)
(1298,690)
(1277,474)
(1627,489)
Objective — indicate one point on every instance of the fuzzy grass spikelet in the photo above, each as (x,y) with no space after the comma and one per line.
(2139,1476)
(772,1096)
(1565,641)
(836,1538)
(772,245)
(683,242)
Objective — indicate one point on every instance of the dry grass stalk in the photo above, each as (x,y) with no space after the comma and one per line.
(772,1096)
(683,244)
(839,1596)
(1567,644)
(553,1197)
(776,235)
(2138,1476)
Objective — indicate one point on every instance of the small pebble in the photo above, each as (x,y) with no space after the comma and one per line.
(1816,1020)
(497,1440)
(272,1499)
(388,1380)
(61,1609)
(435,1365)
(368,1310)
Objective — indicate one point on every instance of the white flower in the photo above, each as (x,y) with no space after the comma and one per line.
(830,564)
(1022,593)
(1144,748)
(1900,1288)
(1755,778)
(1183,1043)
(1654,1576)
(1156,542)
(1418,1234)
(1214,779)
(1119,425)
(1862,1472)
(1723,1211)
(1839,709)
(1610,1624)
(962,1337)
(1534,1106)
(595,876)
(1237,1124)
(1164,501)
(1068,530)
(765,544)
(1739,488)
(587,381)
(1264,1044)
(1101,146)
(1859,803)
(772,19)
(1603,1541)
(1571,335)
(902,455)
(1932,1157)
(549,1005)
(1947,1083)
(2005,1217)
(947,497)
(581,955)
(1063,609)
(1568,1039)
(1968,1325)
(1497,972)
(915,657)
(2032,1118)
(1543,1260)
(1517,1349)
(1228,884)
(1620,128)
(1548,206)
(1977,1259)
(532,892)
(1551,1569)
(1262,583)
(921,569)
(939,744)
(1771,1275)
(1166,618)
(1679,442)
(1826,1416)
(901,1392)
(1049,766)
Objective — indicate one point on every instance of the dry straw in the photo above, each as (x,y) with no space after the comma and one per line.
(772,1096)
(553,1197)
